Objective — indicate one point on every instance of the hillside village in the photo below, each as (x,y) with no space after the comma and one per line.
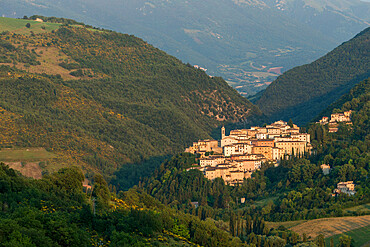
(335,119)
(236,156)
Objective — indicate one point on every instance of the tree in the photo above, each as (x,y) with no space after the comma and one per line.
(320,241)
(101,191)
(28,25)
(304,237)
(345,241)
(69,179)
(331,242)
(290,123)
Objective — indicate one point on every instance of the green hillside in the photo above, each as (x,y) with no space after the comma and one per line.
(102,98)
(303,92)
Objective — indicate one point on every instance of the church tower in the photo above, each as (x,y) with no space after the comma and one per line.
(223,132)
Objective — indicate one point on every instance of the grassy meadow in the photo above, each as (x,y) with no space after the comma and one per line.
(25,154)
(19,26)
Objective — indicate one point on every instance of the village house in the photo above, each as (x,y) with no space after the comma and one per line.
(346,188)
(302,137)
(264,150)
(325,169)
(278,154)
(212,160)
(273,132)
(294,130)
(204,146)
(292,147)
(263,142)
(262,136)
(228,140)
(237,149)
(247,165)
(340,117)
(324,120)
(248,157)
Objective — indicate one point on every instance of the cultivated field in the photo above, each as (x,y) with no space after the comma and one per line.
(331,226)
(356,227)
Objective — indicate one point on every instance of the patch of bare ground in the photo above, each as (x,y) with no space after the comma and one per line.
(31,169)
(50,57)
(331,226)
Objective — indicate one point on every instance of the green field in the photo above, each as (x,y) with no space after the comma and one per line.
(361,236)
(25,154)
(19,26)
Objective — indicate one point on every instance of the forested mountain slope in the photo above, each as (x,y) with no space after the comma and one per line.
(104,98)
(303,92)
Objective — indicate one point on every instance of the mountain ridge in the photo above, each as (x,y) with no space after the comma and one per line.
(301,93)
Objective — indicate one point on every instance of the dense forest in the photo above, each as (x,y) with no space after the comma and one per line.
(56,211)
(303,92)
(107,98)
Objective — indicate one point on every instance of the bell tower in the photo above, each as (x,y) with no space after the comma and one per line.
(223,132)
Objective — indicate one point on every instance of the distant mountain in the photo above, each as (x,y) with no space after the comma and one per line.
(338,19)
(303,92)
(103,98)
(241,40)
